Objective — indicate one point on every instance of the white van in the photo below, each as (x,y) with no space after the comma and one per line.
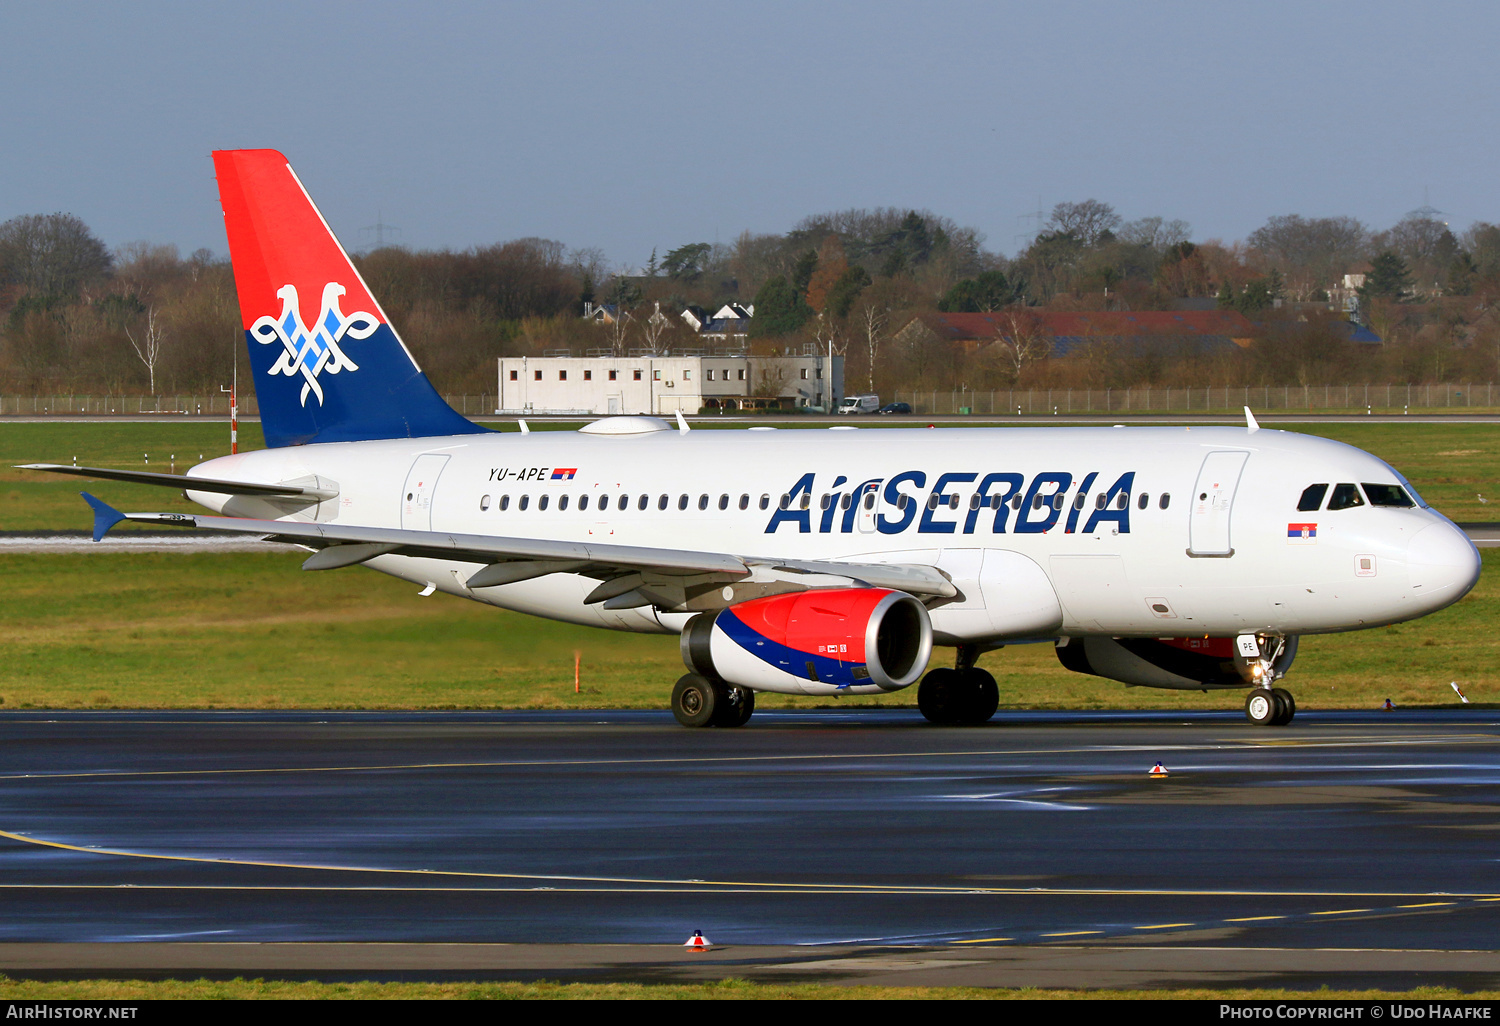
(860,404)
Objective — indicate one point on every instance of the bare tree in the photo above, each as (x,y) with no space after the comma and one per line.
(1087,221)
(1155,233)
(150,347)
(1021,340)
(872,321)
(51,254)
(653,327)
(1310,253)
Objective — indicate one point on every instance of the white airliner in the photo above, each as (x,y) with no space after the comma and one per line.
(813,562)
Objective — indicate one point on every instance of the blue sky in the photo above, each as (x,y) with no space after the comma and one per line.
(629,126)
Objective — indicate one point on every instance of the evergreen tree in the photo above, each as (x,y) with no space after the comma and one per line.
(1389,278)
(779,309)
(989,291)
(802,271)
(845,291)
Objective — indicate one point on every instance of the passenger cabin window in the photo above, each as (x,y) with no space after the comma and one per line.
(744,502)
(525,501)
(661,503)
(562,502)
(1345,496)
(1123,500)
(541,502)
(583,502)
(1143,501)
(1387,495)
(504,503)
(703,502)
(682,501)
(765,502)
(723,502)
(643,502)
(624,503)
(1312,498)
(1166,500)
(484,503)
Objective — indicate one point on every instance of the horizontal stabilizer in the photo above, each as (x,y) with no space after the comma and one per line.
(195,484)
(105,515)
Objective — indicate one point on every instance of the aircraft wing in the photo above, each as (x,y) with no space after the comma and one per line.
(630,574)
(196,484)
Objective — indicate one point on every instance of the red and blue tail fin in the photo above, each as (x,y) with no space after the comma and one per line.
(328,365)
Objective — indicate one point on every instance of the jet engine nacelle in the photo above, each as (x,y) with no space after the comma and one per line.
(1180,663)
(827,641)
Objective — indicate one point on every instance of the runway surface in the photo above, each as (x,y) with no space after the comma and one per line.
(860,827)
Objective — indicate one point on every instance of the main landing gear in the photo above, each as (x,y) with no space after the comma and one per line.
(965,696)
(1270,707)
(699,701)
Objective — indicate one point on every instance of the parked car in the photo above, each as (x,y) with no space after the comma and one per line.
(860,404)
(896,408)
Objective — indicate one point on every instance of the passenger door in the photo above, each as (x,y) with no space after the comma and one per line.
(421,484)
(1212,502)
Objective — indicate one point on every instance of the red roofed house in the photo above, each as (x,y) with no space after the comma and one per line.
(1065,331)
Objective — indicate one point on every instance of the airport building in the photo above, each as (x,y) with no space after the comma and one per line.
(662,385)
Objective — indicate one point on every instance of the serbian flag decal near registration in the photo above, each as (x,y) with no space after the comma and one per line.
(1301,532)
(564,473)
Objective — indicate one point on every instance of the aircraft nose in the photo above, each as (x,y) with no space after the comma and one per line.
(1444,564)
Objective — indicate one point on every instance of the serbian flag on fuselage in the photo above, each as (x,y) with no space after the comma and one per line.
(564,473)
(1301,532)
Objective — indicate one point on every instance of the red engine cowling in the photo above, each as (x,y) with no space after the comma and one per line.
(1180,663)
(856,640)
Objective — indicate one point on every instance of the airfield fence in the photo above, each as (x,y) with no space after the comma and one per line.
(998,403)
(1278,398)
(178,405)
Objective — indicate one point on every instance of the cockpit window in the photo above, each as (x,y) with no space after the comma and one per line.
(1345,496)
(1387,495)
(1312,498)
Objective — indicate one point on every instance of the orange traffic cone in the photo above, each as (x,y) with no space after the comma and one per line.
(698,942)
(1158,770)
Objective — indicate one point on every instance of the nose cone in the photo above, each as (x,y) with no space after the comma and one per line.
(1444,565)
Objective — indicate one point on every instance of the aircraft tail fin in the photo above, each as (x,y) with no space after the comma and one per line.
(328,365)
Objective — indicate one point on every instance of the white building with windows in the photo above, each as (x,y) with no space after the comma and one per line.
(664,385)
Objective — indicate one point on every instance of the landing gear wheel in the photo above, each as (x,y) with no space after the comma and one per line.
(941,696)
(985,697)
(1261,707)
(735,708)
(695,699)
(1287,706)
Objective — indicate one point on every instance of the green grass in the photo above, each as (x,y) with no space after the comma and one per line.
(240,630)
(731,988)
(252,630)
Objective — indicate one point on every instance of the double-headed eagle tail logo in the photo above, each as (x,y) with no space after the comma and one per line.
(311,351)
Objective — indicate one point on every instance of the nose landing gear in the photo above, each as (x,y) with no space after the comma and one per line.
(1270,707)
